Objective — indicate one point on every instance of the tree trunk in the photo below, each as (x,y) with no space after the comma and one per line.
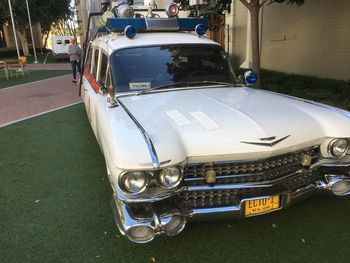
(254,16)
(24,42)
(46,38)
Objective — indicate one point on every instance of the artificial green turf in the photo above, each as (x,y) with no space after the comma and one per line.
(54,158)
(33,76)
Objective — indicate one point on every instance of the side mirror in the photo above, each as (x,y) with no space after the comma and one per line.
(250,77)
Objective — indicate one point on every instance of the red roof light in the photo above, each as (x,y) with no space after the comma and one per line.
(172,10)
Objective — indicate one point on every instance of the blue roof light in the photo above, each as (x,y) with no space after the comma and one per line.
(250,77)
(200,29)
(130,31)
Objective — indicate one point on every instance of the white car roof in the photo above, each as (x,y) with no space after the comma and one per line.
(112,42)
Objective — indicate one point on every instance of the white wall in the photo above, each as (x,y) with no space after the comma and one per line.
(313,39)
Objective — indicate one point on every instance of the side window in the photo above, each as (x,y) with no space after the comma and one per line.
(95,62)
(59,42)
(103,68)
(66,41)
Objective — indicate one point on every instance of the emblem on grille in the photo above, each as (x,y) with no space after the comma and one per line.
(210,176)
(306,160)
(269,141)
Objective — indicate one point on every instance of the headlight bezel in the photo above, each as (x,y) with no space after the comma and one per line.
(124,176)
(160,182)
(152,179)
(330,149)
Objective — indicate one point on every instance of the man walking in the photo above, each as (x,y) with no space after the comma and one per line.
(74,57)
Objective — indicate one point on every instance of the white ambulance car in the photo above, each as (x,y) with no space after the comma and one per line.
(183,140)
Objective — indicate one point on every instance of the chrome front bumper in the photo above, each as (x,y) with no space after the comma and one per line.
(141,222)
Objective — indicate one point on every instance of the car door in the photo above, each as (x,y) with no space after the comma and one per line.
(90,86)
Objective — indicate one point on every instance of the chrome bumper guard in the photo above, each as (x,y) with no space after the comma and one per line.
(141,222)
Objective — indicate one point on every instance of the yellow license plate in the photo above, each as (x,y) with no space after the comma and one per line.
(262,205)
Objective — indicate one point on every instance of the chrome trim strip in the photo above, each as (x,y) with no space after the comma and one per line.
(220,177)
(336,165)
(227,186)
(150,145)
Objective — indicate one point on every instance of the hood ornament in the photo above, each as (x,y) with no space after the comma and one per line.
(269,141)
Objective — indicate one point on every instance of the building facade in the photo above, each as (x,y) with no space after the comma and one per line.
(312,39)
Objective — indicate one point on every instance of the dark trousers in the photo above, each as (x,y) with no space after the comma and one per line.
(75,64)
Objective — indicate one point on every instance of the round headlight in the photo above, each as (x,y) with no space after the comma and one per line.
(170,177)
(134,182)
(337,148)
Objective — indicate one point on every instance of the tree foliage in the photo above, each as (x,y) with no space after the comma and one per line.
(213,7)
(43,11)
(212,10)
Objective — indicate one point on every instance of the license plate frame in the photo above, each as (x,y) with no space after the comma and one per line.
(262,205)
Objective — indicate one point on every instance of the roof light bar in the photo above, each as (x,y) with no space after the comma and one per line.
(119,24)
(159,24)
(189,24)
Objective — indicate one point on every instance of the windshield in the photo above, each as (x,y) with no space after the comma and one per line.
(140,68)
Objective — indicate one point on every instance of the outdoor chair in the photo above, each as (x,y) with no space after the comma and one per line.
(19,66)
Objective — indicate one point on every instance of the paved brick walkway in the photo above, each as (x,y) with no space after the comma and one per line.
(32,99)
(49,66)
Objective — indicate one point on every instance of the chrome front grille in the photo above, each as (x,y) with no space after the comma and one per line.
(219,198)
(280,173)
(249,171)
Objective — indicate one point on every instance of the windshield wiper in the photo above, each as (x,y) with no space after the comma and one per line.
(186,84)
(162,87)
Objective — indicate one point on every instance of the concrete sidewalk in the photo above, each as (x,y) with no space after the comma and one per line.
(31,99)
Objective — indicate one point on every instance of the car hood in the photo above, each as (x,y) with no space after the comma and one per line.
(232,123)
